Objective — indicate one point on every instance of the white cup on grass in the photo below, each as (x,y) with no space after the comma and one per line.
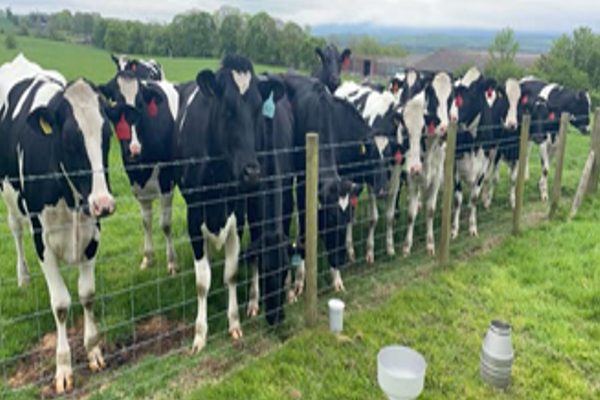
(336,315)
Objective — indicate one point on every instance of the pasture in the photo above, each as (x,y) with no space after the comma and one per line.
(542,281)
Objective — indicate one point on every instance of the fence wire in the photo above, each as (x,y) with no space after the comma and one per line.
(143,313)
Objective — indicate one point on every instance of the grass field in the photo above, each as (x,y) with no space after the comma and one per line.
(543,283)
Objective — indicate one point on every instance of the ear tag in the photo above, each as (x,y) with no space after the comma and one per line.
(525,99)
(363,149)
(269,107)
(296,260)
(354,201)
(431,128)
(398,157)
(46,128)
(152,109)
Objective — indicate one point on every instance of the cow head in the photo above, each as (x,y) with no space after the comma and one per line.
(467,97)
(438,96)
(331,65)
(413,121)
(237,98)
(580,109)
(271,252)
(77,121)
(142,69)
(133,104)
(545,118)
(334,216)
(507,105)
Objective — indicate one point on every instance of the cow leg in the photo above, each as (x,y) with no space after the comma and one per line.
(545,160)
(350,243)
(514,169)
(488,194)
(232,253)
(458,199)
(146,208)
(336,280)
(413,208)
(391,207)
(527,161)
(432,196)
(373,216)
(16,227)
(473,200)
(87,291)
(253,304)
(166,203)
(203,276)
(60,300)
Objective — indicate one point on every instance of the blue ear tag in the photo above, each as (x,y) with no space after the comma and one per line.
(269,107)
(296,260)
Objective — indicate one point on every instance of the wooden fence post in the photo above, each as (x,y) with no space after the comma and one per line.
(520,190)
(562,144)
(592,186)
(310,260)
(448,194)
(583,183)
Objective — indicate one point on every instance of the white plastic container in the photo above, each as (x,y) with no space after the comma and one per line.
(401,372)
(336,315)
(497,355)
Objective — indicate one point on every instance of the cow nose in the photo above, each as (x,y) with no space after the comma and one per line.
(443,129)
(415,169)
(251,172)
(135,150)
(103,206)
(453,118)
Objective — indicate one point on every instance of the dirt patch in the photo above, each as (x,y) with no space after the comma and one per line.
(156,336)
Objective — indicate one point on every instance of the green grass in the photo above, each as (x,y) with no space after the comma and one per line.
(441,313)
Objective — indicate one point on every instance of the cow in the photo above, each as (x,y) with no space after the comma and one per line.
(425,118)
(143,69)
(313,111)
(547,101)
(217,125)
(147,112)
(270,212)
(331,65)
(406,85)
(53,167)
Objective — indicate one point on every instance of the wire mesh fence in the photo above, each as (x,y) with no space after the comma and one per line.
(147,315)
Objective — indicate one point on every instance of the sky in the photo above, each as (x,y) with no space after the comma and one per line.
(521,15)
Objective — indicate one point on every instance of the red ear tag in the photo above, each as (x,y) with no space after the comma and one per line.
(346,62)
(152,109)
(551,116)
(395,88)
(354,200)
(123,130)
(398,157)
(459,101)
(489,92)
(525,99)
(133,67)
(431,128)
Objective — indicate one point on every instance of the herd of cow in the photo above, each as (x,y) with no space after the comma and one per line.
(232,142)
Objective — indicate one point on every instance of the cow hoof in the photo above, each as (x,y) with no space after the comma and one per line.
(172,268)
(391,251)
(146,261)
(545,198)
(370,258)
(24,282)
(430,250)
(406,251)
(473,232)
(351,257)
(199,343)
(252,311)
(96,361)
(64,381)
(487,205)
(339,286)
(236,334)
(291,297)
(299,289)
(453,235)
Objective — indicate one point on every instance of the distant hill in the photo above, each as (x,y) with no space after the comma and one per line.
(420,40)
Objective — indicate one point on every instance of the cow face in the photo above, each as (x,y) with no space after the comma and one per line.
(78,120)
(507,105)
(413,119)
(439,100)
(331,65)
(334,216)
(236,118)
(545,119)
(271,252)
(133,104)
(467,97)
(580,109)
(142,69)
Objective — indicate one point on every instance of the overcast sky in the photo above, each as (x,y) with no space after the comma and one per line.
(521,15)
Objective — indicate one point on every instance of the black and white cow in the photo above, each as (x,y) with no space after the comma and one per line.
(331,65)
(143,69)
(58,133)
(406,85)
(219,118)
(313,111)
(547,101)
(146,112)
(425,119)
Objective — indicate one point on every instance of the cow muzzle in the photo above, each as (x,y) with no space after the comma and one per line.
(251,172)
(102,206)
(511,125)
(416,169)
(135,151)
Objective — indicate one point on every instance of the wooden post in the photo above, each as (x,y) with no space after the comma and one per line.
(562,144)
(592,186)
(583,183)
(310,261)
(448,194)
(520,190)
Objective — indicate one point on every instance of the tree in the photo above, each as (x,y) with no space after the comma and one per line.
(262,39)
(136,38)
(116,38)
(100,26)
(193,35)
(231,34)
(501,64)
(291,39)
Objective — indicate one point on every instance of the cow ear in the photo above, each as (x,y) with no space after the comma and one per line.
(269,86)
(150,93)
(319,52)
(105,92)
(207,82)
(41,121)
(345,57)
(115,60)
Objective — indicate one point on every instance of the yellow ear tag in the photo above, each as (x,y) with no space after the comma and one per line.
(46,128)
(363,150)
